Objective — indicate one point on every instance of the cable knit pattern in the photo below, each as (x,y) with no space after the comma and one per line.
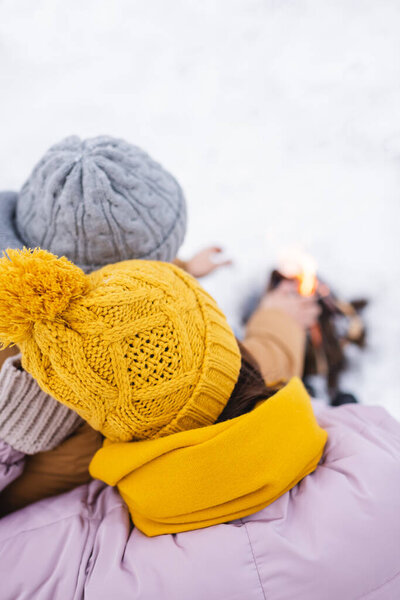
(8,234)
(140,351)
(31,421)
(100,201)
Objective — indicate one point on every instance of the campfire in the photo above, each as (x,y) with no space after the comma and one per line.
(339,323)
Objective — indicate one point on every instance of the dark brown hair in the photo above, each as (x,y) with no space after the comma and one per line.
(250,388)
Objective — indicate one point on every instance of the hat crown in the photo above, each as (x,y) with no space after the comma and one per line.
(100,201)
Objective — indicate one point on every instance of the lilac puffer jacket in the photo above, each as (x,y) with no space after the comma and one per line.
(336,535)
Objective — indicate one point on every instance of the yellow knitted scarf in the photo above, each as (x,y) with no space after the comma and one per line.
(218,473)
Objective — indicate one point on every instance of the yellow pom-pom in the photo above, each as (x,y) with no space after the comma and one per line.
(34,286)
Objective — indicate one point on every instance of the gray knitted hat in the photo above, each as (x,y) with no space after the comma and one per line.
(8,235)
(100,201)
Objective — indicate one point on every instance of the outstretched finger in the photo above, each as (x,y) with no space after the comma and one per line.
(221,263)
(214,249)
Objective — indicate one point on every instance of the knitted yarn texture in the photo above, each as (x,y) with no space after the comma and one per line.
(100,201)
(30,420)
(138,349)
(8,235)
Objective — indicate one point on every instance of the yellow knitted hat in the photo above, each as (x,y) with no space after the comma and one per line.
(138,349)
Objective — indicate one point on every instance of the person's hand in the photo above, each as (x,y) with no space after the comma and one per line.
(285,297)
(206,261)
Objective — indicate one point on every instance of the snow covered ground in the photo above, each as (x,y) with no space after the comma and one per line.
(281,119)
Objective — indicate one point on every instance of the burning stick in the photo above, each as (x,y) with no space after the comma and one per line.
(307,286)
(325,343)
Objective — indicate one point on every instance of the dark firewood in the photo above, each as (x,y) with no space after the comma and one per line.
(359,304)
(339,323)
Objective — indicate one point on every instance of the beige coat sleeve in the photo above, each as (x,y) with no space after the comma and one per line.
(277,343)
(182,264)
(7,352)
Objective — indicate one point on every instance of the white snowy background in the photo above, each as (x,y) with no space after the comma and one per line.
(280,118)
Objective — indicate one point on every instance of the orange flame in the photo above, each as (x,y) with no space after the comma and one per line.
(307,277)
(301,266)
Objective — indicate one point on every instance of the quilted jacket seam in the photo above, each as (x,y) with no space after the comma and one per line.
(254,559)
